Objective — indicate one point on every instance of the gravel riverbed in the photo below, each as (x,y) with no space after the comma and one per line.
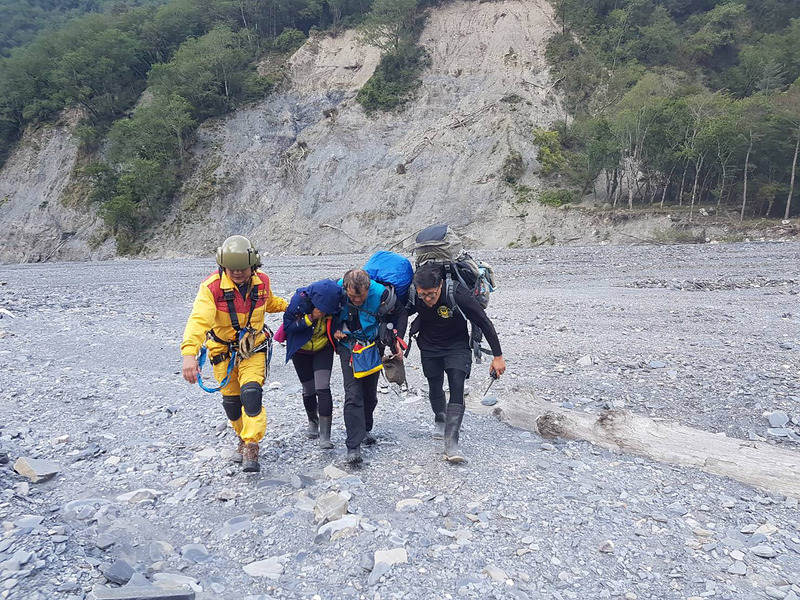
(145,494)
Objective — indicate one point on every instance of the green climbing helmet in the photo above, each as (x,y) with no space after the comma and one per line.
(238,253)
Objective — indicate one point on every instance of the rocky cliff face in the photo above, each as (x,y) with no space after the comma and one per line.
(308,171)
(37,220)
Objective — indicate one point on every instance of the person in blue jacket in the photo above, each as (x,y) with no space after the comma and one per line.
(369,307)
(310,345)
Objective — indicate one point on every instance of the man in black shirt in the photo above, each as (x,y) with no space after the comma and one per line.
(443,342)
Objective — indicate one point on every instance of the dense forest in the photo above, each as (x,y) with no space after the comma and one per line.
(680,102)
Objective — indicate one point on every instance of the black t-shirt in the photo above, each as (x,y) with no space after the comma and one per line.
(443,330)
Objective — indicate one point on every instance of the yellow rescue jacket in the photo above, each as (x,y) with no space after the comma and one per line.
(210,312)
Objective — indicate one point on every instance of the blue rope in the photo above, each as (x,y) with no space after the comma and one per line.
(202,360)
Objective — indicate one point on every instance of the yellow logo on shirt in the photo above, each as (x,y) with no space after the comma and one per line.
(445,312)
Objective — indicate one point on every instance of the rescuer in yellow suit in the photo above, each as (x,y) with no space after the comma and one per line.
(228,317)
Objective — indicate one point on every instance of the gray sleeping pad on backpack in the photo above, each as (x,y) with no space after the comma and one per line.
(438,243)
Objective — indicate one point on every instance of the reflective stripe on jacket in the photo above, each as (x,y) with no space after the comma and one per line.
(210,311)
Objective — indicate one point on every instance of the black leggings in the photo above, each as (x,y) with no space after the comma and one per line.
(314,372)
(456,379)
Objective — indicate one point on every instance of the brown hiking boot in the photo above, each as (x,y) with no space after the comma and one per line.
(250,458)
(237,454)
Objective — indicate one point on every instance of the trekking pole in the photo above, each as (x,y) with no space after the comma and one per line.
(493,374)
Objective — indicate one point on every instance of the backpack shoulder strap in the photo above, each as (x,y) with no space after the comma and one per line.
(450,288)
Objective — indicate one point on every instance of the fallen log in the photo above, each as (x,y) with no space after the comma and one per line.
(758,464)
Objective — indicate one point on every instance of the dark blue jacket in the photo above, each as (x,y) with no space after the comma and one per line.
(326,295)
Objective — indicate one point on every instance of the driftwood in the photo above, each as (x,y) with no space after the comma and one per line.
(339,229)
(758,464)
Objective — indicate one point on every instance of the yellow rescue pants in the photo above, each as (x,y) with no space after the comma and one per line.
(250,429)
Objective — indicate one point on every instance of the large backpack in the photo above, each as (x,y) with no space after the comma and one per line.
(391,269)
(440,245)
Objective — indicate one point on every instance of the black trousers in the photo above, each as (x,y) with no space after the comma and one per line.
(360,400)
(456,366)
(314,372)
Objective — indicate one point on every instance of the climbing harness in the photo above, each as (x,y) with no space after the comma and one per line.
(242,348)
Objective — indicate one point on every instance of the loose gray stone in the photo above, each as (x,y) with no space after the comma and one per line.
(490,400)
(160,550)
(104,541)
(36,469)
(408,504)
(495,573)
(173,580)
(139,592)
(378,571)
(194,553)
(394,556)
(235,525)
(119,572)
(367,561)
(330,506)
(607,547)
(657,364)
(773,592)
(332,472)
(272,568)
(346,522)
(738,568)
(28,521)
(778,419)
(764,551)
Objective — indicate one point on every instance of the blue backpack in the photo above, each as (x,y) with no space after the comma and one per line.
(390,268)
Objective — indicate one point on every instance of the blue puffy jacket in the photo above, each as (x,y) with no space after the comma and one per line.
(327,296)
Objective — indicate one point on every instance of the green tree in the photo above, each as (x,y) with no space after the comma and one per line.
(159,131)
(389,23)
(210,72)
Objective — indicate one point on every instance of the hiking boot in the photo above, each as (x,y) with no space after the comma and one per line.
(325,433)
(250,458)
(438,427)
(369,439)
(312,432)
(452,426)
(354,455)
(237,454)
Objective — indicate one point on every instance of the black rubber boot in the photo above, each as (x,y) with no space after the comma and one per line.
(325,432)
(369,439)
(452,427)
(354,455)
(438,426)
(439,406)
(310,404)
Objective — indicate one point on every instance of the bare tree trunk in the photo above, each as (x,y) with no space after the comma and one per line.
(698,166)
(666,185)
(683,181)
(746,168)
(766,467)
(791,180)
(722,184)
(614,185)
(631,176)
